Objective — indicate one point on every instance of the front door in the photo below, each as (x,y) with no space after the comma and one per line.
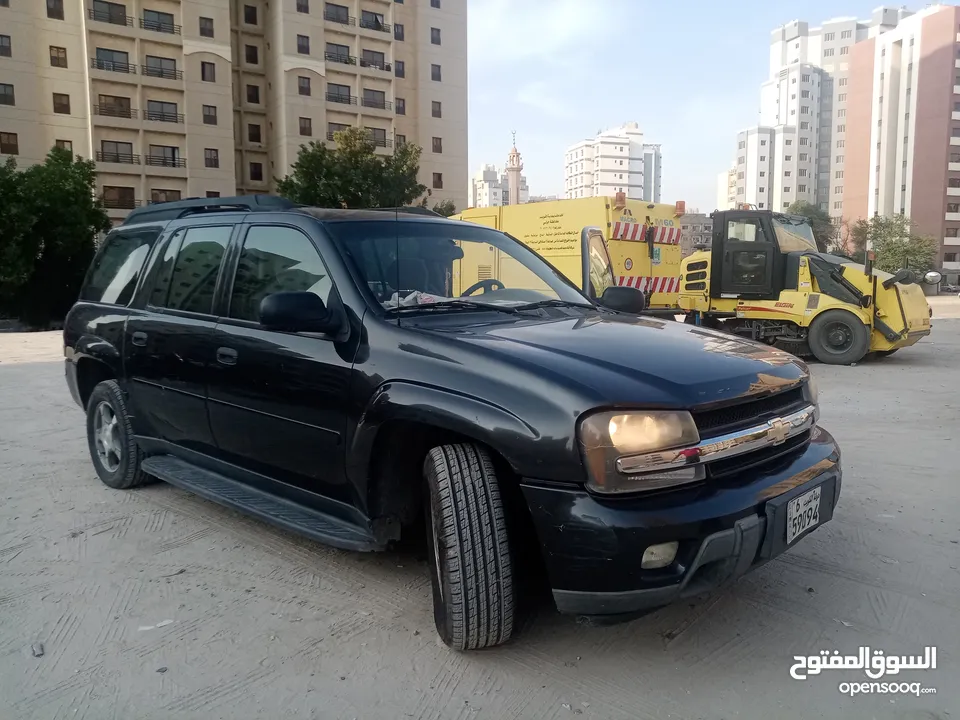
(747,257)
(277,400)
(169,343)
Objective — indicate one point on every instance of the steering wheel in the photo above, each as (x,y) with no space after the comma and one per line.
(488,285)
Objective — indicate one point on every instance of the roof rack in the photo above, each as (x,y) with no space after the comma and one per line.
(158,212)
(412,210)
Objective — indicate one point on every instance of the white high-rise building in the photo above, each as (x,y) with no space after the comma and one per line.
(803,108)
(490,187)
(616,160)
(727,189)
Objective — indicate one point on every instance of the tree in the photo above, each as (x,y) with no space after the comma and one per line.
(895,244)
(824,231)
(445,208)
(352,175)
(56,219)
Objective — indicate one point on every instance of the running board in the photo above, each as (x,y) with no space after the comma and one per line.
(250,501)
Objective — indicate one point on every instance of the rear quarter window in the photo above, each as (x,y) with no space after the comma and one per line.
(113,276)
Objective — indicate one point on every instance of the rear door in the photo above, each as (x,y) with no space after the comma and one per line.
(746,252)
(170,345)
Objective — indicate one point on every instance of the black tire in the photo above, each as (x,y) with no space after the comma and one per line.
(469,552)
(838,337)
(117,461)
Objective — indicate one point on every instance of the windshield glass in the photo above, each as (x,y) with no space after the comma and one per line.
(794,234)
(406,264)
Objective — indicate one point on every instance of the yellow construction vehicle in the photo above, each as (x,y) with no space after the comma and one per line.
(595,242)
(763,278)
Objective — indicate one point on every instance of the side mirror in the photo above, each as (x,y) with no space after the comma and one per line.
(624,299)
(932,277)
(296,312)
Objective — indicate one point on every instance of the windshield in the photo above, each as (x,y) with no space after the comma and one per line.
(408,264)
(794,234)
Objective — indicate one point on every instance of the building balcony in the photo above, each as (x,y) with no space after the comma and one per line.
(113,66)
(953,191)
(160,27)
(951,266)
(951,241)
(162,73)
(340,58)
(956,89)
(342,99)
(953,216)
(121,203)
(118,158)
(377,104)
(955,166)
(163,117)
(375,65)
(955,140)
(338,18)
(115,111)
(112,18)
(375,25)
(164,161)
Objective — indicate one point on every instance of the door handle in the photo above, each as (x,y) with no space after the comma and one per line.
(226,356)
(139,339)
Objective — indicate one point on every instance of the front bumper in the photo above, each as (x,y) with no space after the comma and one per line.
(592,546)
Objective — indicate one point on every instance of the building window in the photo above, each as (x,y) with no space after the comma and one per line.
(306,127)
(253,94)
(436,110)
(401,106)
(787,158)
(763,158)
(801,188)
(399,69)
(401,139)
(61,103)
(951,232)
(803,157)
(953,207)
(6,49)
(828,52)
(841,113)
(303,44)
(206,27)
(211,157)
(435,73)
(58,56)
(397,31)
(838,190)
(841,128)
(256,171)
(63,145)
(787,189)
(438,181)
(804,78)
(251,54)
(949,257)
(844,50)
(209,114)
(208,72)
(9,144)
(55,9)
(161,196)
(434,36)
(804,93)
(839,159)
(303,6)
(842,97)
(845,34)
(741,145)
(828,36)
(763,173)
(762,143)
(253,133)
(438,145)
(212,194)
(435,4)
(787,173)
(250,14)
(842,82)
(303,85)
(804,125)
(839,175)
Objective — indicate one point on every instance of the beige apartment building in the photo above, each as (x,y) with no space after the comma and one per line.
(903,128)
(194,98)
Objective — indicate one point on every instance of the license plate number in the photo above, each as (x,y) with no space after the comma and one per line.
(803,513)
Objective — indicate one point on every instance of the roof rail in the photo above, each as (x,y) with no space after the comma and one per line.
(412,210)
(158,212)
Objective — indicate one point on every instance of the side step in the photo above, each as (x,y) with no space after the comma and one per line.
(269,508)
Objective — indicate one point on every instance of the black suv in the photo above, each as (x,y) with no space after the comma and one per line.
(355,374)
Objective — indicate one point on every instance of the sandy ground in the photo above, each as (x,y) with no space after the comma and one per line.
(157,604)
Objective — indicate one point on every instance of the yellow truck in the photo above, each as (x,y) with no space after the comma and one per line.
(585,237)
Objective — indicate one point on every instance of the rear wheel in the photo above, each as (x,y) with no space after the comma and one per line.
(838,337)
(471,569)
(113,450)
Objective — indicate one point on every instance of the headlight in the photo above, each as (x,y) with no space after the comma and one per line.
(607,437)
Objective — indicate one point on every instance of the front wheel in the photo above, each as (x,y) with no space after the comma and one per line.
(838,337)
(471,569)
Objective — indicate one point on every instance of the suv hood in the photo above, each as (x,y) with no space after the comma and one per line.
(639,361)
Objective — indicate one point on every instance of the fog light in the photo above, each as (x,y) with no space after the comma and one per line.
(659,556)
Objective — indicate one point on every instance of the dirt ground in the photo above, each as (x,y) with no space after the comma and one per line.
(157,604)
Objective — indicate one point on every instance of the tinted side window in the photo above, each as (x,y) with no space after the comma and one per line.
(164,272)
(195,271)
(115,271)
(276,259)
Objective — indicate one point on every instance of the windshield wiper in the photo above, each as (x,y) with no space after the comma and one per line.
(554,303)
(455,305)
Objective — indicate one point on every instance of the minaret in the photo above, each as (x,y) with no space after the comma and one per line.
(514,166)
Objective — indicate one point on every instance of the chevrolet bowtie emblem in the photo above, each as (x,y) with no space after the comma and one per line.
(777,430)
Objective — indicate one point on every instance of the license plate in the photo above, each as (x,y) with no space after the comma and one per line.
(803,513)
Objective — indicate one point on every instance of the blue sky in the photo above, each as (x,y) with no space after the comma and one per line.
(689,73)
